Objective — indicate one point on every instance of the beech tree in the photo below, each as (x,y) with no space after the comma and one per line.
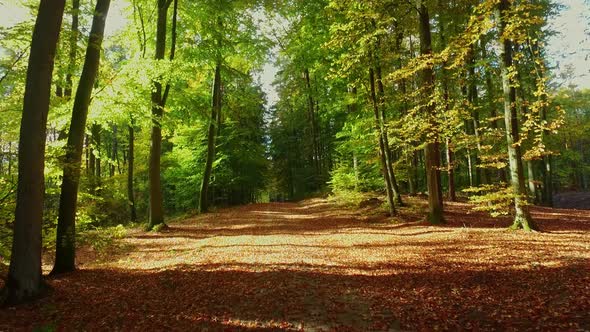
(24,281)
(522,218)
(158,99)
(65,249)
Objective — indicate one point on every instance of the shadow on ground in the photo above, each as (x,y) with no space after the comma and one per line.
(296,297)
(316,267)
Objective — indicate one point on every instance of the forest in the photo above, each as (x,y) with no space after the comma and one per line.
(299,165)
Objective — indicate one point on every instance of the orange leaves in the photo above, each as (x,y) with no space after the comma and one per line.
(314,266)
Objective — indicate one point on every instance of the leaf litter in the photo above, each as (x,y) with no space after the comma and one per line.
(314,266)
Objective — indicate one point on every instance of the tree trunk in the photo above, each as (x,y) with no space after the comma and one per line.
(490,96)
(312,124)
(65,243)
(531,181)
(73,48)
(130,165)
(451,171)
(156,214)
(382,151)
(215,109)
(388,154)
(431,149)
(547,176)
(24,281)
(87,146)
(95,155)
(113,151)
(522,217)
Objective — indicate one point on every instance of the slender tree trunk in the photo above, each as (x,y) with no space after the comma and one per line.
(547,176)
(312,123)
(451,171)
(382,151)
(480,174)
(522,217)
(388,154)
(95,155)
(215,109)
(450,155)
(431,149)
(531,180)
(24,281)
(65,243)
(10,159)
(114,152)
(490,96)
(156,213)
(73,48)
(130,166)
(87,147)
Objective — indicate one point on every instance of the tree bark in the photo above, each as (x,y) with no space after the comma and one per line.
(431,149)
(382,151)
(522,218)
(130,165)
(215,109)
(94,159)
(65,243)
(490,96)
(24,281)
(156,215)
(312,125)
(451,171)
(73,48)
(388,153)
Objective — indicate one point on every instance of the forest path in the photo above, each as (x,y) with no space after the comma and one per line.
(316,267)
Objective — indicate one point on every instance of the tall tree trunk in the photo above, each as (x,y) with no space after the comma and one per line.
(130,165)
(382,151)
(95,155)
(24,281)
(312,124)
(87,146)
(388,153)
(522,218)
(451,171)
(73,48)
(547,176)
(473,95)
(215,109)
(114,151)
(431,149)
(450,155)
(65,242)
(10,159)
(490,96)
(156,215)
(531,180)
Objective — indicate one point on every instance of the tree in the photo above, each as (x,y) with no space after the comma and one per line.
(522,218)
(431,147)
(24,281)
(158,99)
(65,244)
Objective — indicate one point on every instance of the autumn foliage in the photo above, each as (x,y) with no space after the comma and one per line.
(318,267)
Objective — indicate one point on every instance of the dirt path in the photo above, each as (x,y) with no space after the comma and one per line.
(315,267)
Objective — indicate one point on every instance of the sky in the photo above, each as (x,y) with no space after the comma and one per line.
(568,50)
(571,47)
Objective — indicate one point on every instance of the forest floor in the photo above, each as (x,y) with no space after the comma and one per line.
(314,266)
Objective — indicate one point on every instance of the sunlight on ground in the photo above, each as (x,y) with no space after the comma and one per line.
(317,267)
(276,238)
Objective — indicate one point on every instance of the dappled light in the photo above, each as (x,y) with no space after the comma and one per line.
(314,266)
